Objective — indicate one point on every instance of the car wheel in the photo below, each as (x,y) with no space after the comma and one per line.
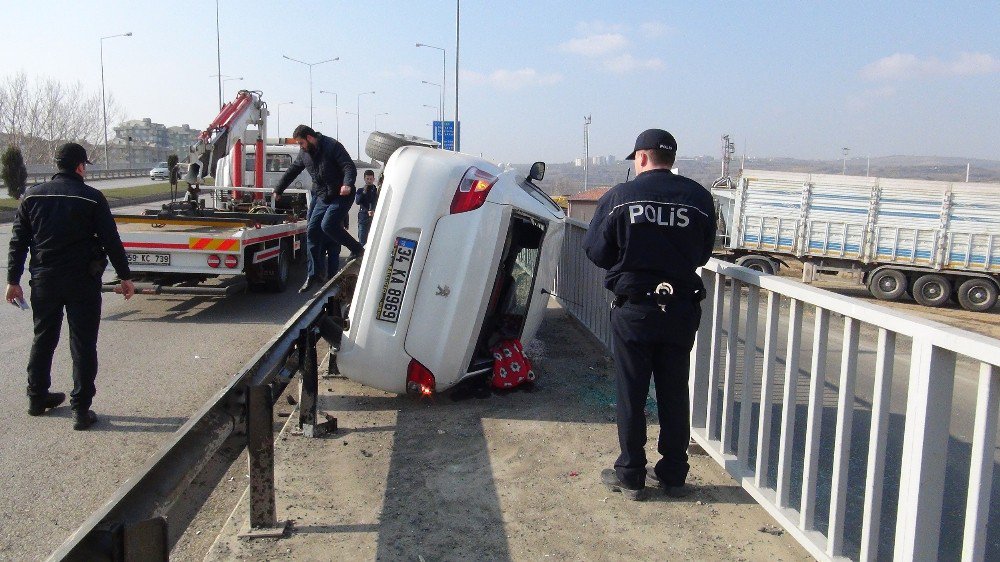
(932,290)
(380,146)
(978,294)
(758,263)
(887,284)
(278,282)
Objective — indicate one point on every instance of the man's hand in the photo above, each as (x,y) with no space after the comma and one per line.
(371,213)
(14,293)
(345,190)
(126,288)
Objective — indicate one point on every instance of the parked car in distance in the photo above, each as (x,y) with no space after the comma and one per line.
(461,255)
(159,172)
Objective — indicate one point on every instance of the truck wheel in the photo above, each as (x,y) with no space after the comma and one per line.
(887,284)
(978,294)
(280,266)
(758,263)
(932,290)
(380,146)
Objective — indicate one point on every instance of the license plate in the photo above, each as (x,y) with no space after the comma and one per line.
(395,279)
(148,259)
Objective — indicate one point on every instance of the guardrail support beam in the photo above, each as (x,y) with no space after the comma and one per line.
(260,444)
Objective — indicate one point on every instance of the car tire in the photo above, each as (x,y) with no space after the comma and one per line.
(380,146)
(887,284)
(280,267)
(932,290)
(978,294)
(758,263)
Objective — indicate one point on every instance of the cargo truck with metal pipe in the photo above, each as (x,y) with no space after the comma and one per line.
(938,242)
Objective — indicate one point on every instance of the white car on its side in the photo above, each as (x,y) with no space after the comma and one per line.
(461,255)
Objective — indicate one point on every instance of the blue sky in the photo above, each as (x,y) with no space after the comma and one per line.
(797,79)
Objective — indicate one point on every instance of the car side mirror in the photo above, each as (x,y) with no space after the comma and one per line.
(537,171)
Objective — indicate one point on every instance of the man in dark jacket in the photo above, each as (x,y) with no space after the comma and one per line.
(69,230)
(333,173)
(651,234)
(366,199)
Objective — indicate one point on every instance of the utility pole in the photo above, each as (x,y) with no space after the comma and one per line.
(586,152)
(846,150)
(458,135)
(728,149)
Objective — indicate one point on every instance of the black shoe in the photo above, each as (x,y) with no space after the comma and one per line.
(83,419)
(356,255)
(610,479)
(653,481)
(38,404)
(307,285)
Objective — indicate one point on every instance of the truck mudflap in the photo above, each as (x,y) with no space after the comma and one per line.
(230,286)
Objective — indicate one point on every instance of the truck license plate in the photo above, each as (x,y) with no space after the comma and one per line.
(395,279)
(148,259)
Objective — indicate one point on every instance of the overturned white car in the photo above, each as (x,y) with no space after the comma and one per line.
(461,255)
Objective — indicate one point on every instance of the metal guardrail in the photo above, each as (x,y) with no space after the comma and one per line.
(94,174)
(132,524)
(746,402)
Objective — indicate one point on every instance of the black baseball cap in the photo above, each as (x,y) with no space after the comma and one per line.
(71,155)
(652,139)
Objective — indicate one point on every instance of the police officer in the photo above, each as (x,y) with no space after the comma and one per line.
(333,173)
(68,228)
(651,234)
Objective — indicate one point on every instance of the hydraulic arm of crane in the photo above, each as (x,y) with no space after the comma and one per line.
(225,135)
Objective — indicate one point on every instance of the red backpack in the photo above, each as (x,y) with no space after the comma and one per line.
(510,367)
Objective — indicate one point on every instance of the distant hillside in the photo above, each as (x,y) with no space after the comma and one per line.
(567,179)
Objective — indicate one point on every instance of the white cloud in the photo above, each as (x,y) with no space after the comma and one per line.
(511,80)
(865,99)
(627,63)
(901,66)
(654,29)
(595,45)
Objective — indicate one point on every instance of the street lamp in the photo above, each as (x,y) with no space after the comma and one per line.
(441,107)
(277,114)
(444,65)
(222,80)
(104,103)
(359,119)
(375,120)
(845,150)
(336,109)
(359,131)
(310,65)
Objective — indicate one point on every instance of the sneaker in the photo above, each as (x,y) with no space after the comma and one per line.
(83,419)
(310,281)
(653,481)
(610,480)
(38,404)
(356,255)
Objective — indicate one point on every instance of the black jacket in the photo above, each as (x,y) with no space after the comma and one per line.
(67,225)
(330,167)
(657,227)
(366,198)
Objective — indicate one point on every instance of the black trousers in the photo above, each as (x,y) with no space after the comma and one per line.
(80,296)
(648,342)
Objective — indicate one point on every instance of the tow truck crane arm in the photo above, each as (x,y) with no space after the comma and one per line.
(225,135)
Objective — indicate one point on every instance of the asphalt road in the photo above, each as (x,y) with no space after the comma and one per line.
(161,358)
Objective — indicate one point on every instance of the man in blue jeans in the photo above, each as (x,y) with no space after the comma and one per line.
(333,173)
(366,199)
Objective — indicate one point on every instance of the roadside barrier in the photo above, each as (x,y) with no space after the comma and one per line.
(133,524)
(899,480)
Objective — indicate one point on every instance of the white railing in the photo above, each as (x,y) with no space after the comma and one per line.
(896,456)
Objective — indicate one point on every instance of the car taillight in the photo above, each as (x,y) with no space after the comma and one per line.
(232,261)
(472,190)
(419,379)
(213,261)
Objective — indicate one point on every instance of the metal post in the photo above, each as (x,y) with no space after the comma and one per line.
(309,388)
(260,446)
(359,120)
(458,20)
(310,65)
(218,53)
(586,152)
(104,102)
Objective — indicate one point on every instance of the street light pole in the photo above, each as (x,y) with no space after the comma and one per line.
(310,65)
(359,120)
(846,150)
(586,152)
(277,112)
(441,106)
(104,102)
(336,110)
(444,63)
(223,79)
(218,53)
(458,20)
(359,131)
(375,120)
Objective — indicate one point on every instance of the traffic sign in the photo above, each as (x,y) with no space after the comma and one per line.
(445,135)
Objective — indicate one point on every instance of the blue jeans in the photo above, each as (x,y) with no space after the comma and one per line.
(325,233)
(364,224)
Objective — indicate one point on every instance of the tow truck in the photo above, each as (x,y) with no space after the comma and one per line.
(233,240)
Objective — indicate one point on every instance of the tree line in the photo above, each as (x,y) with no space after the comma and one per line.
(37,115)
